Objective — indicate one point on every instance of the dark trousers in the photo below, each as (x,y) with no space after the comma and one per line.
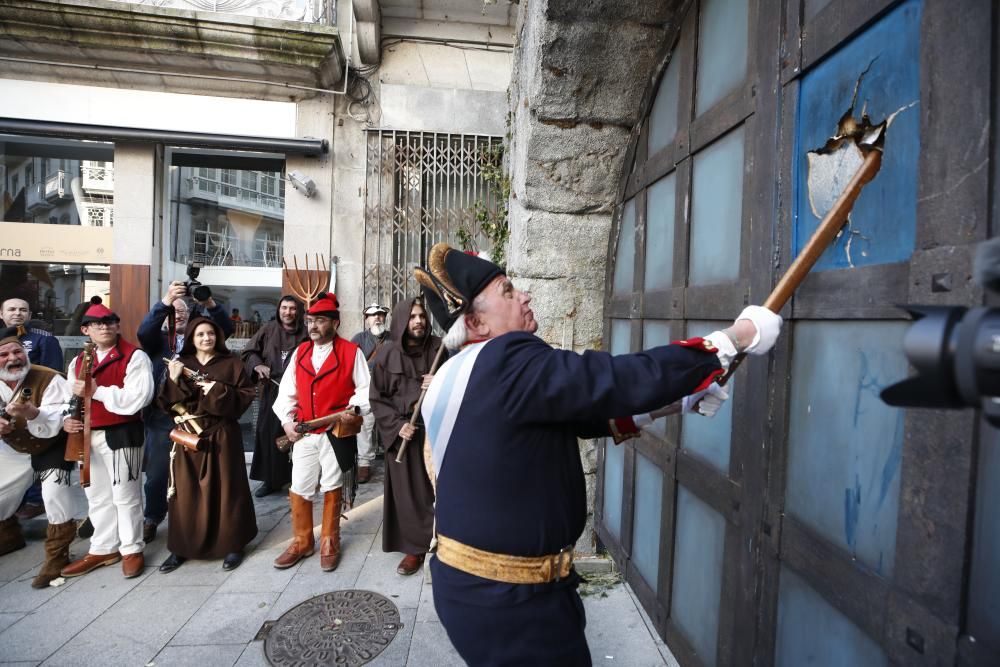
(156,463)
(547,629)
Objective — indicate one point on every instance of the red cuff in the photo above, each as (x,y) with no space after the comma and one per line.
(709,380)
(622,429)
(697,342)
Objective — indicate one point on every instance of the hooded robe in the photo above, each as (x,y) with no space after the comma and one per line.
(211,513)
(273,346)
(397,373)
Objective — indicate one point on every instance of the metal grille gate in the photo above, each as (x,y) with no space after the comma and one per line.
(421,188)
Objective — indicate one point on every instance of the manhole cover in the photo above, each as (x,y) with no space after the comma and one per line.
(339,628)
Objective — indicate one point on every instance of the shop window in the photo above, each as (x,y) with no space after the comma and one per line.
(227,217)
(79,192)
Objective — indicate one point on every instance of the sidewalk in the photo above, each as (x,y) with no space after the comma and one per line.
(202,615)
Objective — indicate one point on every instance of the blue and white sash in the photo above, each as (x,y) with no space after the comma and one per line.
(444,400)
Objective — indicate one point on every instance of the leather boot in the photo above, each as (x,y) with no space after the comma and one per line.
(11,538)
(303,544)
(57,541)
(329,540)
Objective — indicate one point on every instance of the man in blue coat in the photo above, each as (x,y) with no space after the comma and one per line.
(42,347)
(503,418)
(158,339)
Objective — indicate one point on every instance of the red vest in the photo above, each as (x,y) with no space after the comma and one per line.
(110,373)
(321,393)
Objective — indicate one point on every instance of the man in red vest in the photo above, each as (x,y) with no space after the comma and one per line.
(122,385)
(330,374)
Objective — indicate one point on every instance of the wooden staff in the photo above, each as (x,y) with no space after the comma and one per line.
(420,401)
(827,231)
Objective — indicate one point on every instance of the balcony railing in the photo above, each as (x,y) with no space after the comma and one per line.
(233,196)
(306,11)
(35,201)
(98,214)
(97,177)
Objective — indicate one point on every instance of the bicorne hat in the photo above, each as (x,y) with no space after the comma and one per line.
(326,304)
(452,280)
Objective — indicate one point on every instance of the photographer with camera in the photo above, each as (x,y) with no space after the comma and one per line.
(161,334)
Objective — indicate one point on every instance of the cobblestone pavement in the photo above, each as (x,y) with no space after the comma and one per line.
(202,615)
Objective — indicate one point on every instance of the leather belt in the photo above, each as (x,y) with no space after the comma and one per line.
(501,567)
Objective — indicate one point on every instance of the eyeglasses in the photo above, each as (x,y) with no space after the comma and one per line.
(103,325)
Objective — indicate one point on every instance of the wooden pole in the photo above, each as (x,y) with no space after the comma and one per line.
(419,403)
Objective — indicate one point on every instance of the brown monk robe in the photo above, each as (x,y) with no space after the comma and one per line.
(408,515)
(211,513)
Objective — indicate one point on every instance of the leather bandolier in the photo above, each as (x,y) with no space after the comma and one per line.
(20,439)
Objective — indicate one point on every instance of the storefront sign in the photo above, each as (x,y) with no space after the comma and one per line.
(56,244)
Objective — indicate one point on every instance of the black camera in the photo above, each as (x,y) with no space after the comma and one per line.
(955,351)
(194,288)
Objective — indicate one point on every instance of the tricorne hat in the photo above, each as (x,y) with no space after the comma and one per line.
(375,309)
(452,280)
(325,304)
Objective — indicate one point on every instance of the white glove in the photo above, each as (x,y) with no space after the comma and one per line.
(706,402)
(768,327)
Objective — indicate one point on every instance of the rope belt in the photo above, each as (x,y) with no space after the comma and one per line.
(501,567)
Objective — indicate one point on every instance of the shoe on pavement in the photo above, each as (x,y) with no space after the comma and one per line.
(172,563)
(89,563)
(263,490)
(232,560)
(148,531)
(30,511)
(410,565)
(364,474)
(133,565)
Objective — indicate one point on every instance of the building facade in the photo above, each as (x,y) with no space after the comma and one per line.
(182,140)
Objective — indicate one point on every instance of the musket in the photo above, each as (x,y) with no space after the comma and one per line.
(22,396)
(420,401)
(325,422)
(78,444)
(190,373)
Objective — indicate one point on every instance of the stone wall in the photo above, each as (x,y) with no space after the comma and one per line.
(582,71)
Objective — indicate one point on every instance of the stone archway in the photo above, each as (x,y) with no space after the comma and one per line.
(582,80)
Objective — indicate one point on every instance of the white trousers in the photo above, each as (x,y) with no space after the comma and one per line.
(312,459)
(16,476)
(366,441)
(115,509)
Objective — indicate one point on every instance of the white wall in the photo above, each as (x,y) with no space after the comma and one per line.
(38,100)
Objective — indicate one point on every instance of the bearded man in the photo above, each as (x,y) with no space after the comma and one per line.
(329,375)
(503,417)
(30,444)
(265,358)
(402,368)
(43,350)
(371,340)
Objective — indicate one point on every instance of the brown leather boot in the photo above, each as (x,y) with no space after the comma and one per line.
(11,538)
(57,541)
(364,474)
(329,539)
(303,544)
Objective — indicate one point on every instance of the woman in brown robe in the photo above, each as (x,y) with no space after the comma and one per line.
(397,375)
(211,514)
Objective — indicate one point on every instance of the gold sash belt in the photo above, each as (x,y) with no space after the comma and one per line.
(501,567)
